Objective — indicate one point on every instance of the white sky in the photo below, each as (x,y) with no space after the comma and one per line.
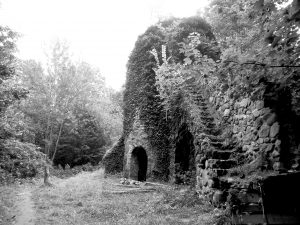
(99,32)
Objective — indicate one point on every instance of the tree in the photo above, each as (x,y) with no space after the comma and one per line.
(258,40)
(63,96)
(18,158)
(9,91)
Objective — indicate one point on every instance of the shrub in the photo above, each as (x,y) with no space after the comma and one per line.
(185,177)
(59,172)
(182,198)
(19,160)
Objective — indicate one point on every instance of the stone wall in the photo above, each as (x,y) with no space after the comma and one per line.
(265,144)
(267,128)
(253,126)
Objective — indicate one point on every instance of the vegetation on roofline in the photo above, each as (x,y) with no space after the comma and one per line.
(141,94)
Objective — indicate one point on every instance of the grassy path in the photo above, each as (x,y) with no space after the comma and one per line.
(7,201)
(89,199)
(25,208)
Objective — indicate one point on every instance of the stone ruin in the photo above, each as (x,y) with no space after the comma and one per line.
(245,154)
(244,149)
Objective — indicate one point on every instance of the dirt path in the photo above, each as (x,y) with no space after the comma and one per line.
(25,208)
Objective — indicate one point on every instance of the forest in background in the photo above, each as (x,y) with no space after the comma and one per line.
(58,111)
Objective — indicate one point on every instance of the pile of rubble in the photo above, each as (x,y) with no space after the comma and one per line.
(126,181)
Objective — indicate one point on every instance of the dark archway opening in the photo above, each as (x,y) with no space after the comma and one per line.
(184,156)
(139,163)
(282,102)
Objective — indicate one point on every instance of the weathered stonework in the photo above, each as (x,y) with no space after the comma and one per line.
(132,154)
(137,138)
(265,136)
(254,127)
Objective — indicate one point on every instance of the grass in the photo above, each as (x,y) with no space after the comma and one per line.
(7,200)
(89,198)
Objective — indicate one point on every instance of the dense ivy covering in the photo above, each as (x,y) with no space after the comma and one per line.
(113,158)
(141,94)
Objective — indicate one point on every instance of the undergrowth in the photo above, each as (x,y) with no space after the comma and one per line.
(183,198)
(69,172)
(7,199)
(19,160)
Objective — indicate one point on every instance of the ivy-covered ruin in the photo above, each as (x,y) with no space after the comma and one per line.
(196,115)
(146,124)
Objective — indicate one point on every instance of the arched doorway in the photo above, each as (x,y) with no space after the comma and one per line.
(184,155)
(138,165)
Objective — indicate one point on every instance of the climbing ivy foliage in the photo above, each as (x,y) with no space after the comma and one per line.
(142,94)
(255,49)
(172,78)
(258,39)
(256,42)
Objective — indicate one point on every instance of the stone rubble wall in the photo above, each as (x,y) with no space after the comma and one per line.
(254,127)
(254,130)
(242,158)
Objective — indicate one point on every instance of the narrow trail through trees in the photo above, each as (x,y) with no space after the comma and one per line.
(25,208)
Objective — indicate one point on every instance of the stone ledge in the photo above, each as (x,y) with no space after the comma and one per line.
(220,164)
(221,154)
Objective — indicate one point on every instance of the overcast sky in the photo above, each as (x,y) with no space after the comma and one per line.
(101,33)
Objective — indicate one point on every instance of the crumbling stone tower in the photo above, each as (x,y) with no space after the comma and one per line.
(148,147)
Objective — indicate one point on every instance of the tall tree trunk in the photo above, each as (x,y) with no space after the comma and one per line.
(46,167)
(57,141)
(47,151)
(46,133)
(50,140)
